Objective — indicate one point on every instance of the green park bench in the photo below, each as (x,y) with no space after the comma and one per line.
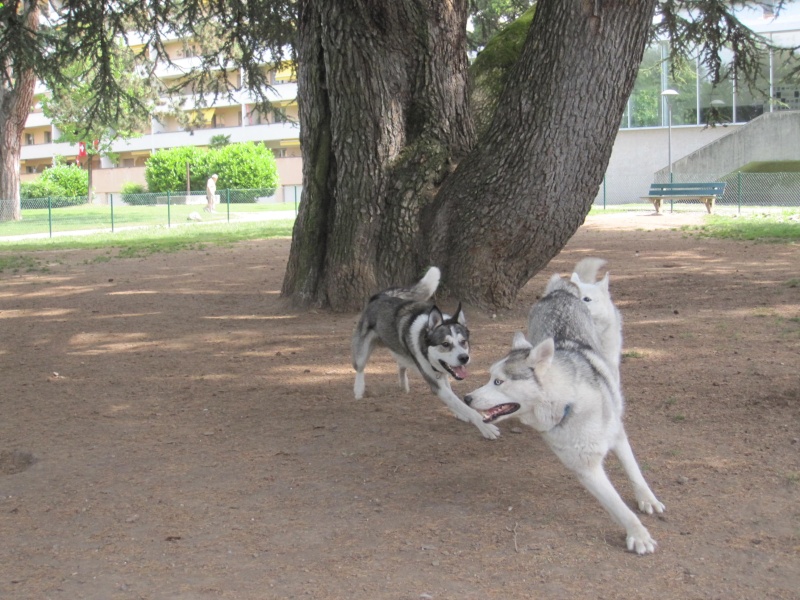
(707,193)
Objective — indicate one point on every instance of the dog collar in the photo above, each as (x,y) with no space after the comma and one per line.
(567,411)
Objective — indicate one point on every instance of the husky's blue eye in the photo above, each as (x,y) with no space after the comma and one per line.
(587,299)
(498,382)
(446,345)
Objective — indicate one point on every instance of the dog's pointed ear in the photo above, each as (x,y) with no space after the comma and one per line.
(461,318)
(604,282)
(519,342)
(575,278)
(435,318)
(541,356)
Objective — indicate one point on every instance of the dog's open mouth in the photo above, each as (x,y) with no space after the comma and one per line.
(490,414)
(458,373)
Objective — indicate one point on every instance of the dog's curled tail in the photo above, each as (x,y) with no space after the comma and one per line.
(420,291)
(587,269)
(425,287)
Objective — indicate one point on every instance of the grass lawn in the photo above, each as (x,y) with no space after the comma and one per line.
(781,227)
(83,217)
(20,254)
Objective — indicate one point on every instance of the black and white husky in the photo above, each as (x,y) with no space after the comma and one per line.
(561,382)
(420,338)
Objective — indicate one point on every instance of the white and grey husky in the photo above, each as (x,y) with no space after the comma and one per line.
(421,338)
(559,382)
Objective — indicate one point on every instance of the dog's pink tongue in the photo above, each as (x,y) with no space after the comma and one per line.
(461,372)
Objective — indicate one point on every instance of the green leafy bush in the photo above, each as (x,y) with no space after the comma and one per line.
(135,194)
(166,169)
(64,185)
(239,166)
(133,188)
(39,188)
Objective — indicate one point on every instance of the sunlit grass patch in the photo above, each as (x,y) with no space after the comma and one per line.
(780,227)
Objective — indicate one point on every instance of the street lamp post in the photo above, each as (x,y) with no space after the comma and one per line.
(717,104)
(668,94)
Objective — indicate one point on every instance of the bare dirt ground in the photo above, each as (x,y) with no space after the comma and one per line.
(170,430)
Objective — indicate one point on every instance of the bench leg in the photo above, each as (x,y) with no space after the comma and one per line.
(657,205)
(709,202)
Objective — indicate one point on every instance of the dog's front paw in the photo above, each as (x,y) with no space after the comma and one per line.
(648,503)
(639,541)
(489,431)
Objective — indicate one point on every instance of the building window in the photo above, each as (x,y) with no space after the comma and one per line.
(29,139)
(48,137)
(30,170)
(279,152)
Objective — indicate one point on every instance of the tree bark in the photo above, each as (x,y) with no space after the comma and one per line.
(393,177)
(517,199)
(15,104)
(383,113)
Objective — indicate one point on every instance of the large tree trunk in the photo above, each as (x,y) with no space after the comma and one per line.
(384,122)
(383,111)
(517,199)
(15,104)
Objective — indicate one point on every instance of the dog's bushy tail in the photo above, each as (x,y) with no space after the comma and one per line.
(587,269)
(420,291)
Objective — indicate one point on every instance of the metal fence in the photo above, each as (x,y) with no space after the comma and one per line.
(744,193)
(47,217)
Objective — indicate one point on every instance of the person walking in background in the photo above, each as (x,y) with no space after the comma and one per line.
(211,193)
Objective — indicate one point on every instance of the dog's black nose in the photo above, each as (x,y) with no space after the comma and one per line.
(468,400)
(463,358)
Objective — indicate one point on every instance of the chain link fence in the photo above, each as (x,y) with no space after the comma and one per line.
(745,193)
(47,217)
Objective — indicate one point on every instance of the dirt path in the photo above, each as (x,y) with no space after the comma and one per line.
(170,430)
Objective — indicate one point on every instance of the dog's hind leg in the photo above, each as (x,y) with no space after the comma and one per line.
(647,501)
(402,373)
(362,347)
(595,480)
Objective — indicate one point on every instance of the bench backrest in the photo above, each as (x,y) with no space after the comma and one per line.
(688,189)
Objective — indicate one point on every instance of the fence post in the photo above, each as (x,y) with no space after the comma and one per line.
(604,192)
(50,214)
(111,204)
(169,215)
(739,192)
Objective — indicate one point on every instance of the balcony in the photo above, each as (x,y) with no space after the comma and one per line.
(202,137)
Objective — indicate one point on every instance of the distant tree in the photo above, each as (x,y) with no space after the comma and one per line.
(19,56)
(69,106)
(488,17)
(492,67)
(219,141)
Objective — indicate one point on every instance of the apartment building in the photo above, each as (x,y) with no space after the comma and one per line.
(236,117)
